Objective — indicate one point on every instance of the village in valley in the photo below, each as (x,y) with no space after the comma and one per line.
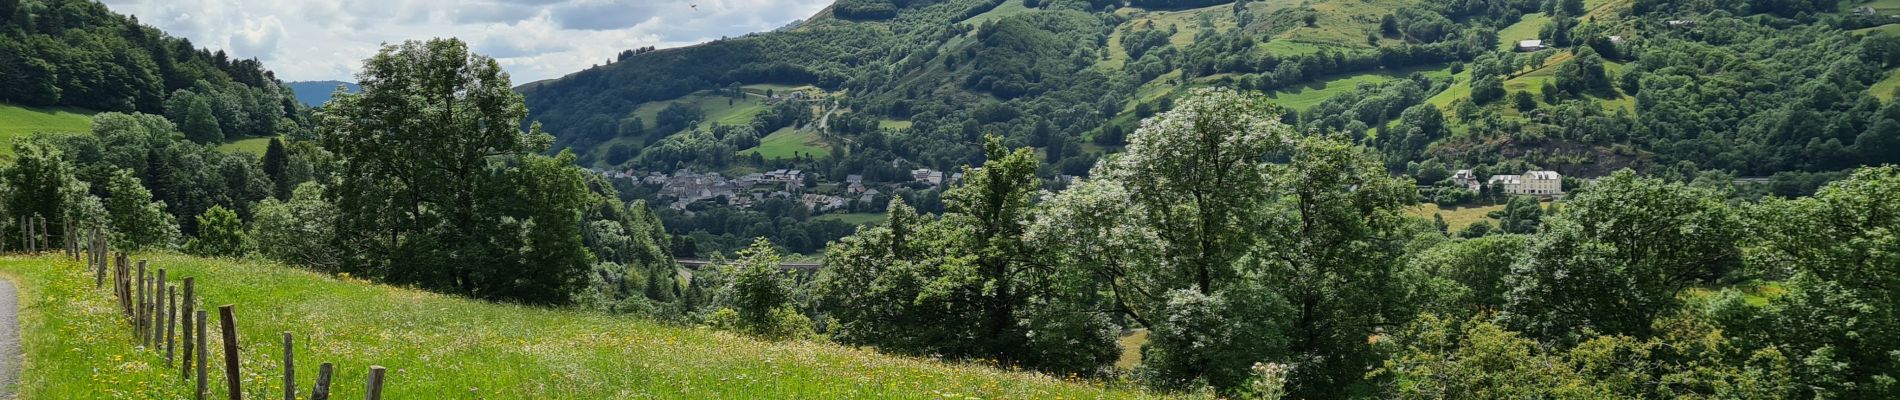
(683,188)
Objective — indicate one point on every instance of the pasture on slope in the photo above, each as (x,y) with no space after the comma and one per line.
(438,346)
(18,122)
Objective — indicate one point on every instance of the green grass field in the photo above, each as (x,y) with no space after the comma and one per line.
(1008,8)
(1525,29)
(855,218)
(249,145)
(1306,96)
(789,142)
(1345,23)
(893,124)
(1188,23)
(16,121)
(1884,89)
(441,347)
(719,109)
(1458,217)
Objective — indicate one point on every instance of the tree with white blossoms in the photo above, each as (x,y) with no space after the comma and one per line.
(1196,173)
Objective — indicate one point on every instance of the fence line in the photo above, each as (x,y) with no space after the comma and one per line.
(150,304)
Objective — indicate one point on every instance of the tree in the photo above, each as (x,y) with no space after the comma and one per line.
(761,299)
(1473,271)
(199,124)
(299,231)
(138,223)
(277,167)
(994,202)
(41,183)
(1617,255)
(444,189)
(1523,214)
(220,234)
(969,285)
(1841,248)
(1524,101)
(1195,172)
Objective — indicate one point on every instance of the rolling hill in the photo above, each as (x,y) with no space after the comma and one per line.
(17,122)
(1073,77)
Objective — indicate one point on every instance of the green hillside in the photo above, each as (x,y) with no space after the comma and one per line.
(438,346)
(17,121)
(255,146)
(790,142)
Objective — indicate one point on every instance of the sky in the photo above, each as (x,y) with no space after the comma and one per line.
(311,40)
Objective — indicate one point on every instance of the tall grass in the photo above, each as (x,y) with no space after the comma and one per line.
(443,347)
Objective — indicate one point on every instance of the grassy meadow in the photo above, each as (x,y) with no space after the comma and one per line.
(256,145)
(719,109)
(1302,97)
(1525,29)
(1883,89)
(443,347)
(855,218)
(1457,217)
(16,121)
(787,142)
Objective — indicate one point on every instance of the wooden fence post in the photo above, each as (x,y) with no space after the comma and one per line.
(290,368)
(189,344)
(156,323)
(375,389)
(199,318)
(138,302)
(227,321)
(171,325)
(321,391)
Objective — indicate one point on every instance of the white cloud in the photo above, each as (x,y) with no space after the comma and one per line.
(533,39)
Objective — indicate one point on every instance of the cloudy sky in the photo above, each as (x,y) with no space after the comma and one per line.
(303,40)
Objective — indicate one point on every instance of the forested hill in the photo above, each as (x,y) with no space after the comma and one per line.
(77,53)
(1749,88)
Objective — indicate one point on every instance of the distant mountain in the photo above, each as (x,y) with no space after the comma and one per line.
(315,93)
(1583,87)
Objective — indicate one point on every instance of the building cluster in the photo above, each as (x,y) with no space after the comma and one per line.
(1532,183)
(684,188)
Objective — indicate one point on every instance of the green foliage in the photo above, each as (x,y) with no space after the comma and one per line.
(1840,247)
(1464,277)
(1523,214)
(968,285)
(220,234)
(1617,255)
(1213,341)
(865,9)
(762,299)
(78,53)
(300,230)
(454,197)
(40,182)
(138,222)
(198,124)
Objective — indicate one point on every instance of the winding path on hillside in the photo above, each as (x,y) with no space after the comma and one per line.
(9,338)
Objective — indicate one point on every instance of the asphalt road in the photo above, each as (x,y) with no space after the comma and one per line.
(9,338)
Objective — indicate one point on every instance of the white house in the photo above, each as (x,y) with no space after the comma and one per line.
(1530,45)
(1468,180)
(1533,183)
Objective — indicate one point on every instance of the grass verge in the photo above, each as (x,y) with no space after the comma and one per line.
(443,347)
